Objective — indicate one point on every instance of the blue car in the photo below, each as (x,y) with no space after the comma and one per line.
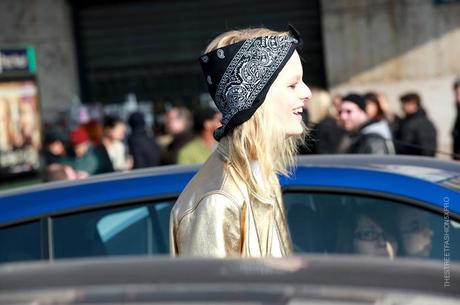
(389,206)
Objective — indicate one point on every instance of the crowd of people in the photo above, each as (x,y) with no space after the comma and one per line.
(364,124)
(352,124)
(114,145)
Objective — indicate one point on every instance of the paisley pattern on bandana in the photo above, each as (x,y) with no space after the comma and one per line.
(248,73)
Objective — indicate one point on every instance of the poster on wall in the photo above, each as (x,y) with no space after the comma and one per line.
(20,128)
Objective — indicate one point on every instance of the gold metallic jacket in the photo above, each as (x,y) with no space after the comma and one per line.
(216,216)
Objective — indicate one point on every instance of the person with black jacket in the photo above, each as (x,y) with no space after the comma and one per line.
(416,134)
(456,129)
(366,136)
(143,147)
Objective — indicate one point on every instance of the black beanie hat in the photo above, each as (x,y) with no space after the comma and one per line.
(357,99)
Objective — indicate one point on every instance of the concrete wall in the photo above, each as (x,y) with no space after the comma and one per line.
(395,46)
(46,25)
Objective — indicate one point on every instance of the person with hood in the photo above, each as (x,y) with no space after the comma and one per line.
(366,136)
(416,134)
(142,146)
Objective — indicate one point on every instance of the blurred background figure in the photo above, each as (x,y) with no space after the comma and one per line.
(386,109)
(200,148)
(95,131)
(56,172)
(379,114)
(88,158)
(377,107)
(143,147)
(55,148)
(415,232)
(114,132)
(325,133)
(415,134)
(337,103)
(178,123)
(366,136)
(456,129)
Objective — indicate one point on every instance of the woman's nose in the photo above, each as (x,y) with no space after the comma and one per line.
(305,92)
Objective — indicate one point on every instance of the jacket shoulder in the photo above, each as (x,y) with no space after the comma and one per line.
(210,228)
(212,204)
(211,182)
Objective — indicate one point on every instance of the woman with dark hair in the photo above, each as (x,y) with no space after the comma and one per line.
(367,231)
(378,117)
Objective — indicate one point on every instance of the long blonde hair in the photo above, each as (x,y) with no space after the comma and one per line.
(260,138)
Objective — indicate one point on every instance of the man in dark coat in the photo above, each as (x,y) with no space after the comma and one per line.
(365,136)
(456,129)
(143,147)
(416,134)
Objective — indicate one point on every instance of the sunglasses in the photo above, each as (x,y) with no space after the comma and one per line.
(369,235)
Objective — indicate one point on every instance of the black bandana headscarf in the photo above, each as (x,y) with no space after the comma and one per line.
(239,75)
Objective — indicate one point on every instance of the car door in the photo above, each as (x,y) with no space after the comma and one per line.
(129,229)
(22,242)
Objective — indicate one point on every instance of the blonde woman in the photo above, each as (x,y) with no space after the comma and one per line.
(233,205)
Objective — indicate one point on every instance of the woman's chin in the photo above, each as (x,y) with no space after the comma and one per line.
(294,132)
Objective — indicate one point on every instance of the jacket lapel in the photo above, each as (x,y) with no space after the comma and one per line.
(281,225)
(261,213)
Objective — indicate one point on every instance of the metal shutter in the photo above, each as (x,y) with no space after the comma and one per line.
(151,48)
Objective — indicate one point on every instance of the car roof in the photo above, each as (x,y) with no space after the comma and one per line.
(426,168)
(358,173)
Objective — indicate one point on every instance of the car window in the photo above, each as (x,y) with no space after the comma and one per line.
(356,224)
(141,229)
(20,242)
